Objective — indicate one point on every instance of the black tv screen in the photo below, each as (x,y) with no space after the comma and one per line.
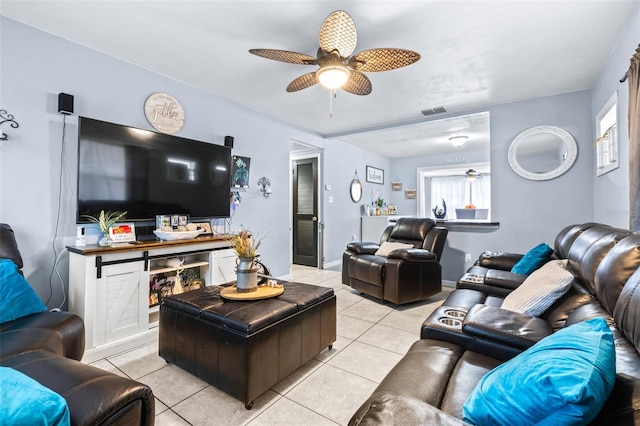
(146,173)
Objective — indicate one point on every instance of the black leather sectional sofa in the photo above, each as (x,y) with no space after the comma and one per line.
(432,382)
(48,347)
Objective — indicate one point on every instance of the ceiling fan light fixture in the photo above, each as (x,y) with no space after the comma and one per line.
(458,140)
(333,76)
(471,175)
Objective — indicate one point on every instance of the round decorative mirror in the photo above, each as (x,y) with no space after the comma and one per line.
(356,189)
(542,153)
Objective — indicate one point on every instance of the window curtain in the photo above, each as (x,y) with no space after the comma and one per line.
(456,192)
(633,76)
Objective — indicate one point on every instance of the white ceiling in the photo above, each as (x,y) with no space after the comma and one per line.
(474,53)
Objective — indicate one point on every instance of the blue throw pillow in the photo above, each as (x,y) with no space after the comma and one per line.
(27,402)
(17,298)
(533,259)
(564,379)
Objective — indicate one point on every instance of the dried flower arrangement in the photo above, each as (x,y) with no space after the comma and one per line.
(245,244)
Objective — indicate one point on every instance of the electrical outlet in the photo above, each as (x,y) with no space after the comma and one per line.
(354,238)
(467,257)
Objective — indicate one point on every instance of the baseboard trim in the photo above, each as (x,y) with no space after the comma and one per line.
(332,264)
(447,283)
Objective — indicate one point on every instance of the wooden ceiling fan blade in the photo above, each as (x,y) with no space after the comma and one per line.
(385,59)
(358,84)
(302,82)
(338,32)
(284,56)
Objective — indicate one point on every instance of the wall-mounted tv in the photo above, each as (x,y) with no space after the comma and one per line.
(146,173)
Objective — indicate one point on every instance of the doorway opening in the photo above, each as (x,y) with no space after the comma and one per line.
(306,229)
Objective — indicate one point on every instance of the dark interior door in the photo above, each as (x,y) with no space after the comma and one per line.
(305,212)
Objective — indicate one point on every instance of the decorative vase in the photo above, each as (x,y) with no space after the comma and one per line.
(247,275)
(105,241)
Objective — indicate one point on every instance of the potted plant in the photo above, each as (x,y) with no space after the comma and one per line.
(105,221)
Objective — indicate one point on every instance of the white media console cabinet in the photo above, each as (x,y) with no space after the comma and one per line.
(111,288)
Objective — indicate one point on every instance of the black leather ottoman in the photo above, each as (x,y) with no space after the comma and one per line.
(245,347)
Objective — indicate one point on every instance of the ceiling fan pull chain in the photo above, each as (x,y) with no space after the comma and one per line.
(332,93)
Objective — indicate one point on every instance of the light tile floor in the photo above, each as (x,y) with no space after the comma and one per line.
(372,337)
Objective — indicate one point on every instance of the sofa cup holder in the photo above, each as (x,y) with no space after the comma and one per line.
(450,322)
(454,313)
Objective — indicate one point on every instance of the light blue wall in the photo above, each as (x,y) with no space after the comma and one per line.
(36,67)
(611,190)
(529,212)
(342,217)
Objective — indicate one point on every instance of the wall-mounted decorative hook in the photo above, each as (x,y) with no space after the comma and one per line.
(4,118)
(266,186)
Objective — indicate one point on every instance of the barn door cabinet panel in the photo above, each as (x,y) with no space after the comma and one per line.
(112,288)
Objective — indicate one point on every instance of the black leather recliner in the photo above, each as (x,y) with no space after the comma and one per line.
(405,275)
(48,347)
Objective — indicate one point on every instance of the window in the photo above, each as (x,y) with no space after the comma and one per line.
(607,142)
(453,186)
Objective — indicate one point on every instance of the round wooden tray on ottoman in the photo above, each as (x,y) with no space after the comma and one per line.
(263,292)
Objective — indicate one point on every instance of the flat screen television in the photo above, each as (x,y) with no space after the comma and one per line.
(147,173)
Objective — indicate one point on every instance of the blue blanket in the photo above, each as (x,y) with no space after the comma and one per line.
(24,401)
(17,298)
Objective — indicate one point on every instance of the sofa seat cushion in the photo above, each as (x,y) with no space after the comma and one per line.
(566,377)
(25,401)
(17,298)
(367,268)
(433,373)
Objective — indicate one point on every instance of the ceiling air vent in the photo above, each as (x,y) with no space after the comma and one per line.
(433,111)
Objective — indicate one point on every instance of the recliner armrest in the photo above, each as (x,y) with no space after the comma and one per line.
(504,279)
(413,255)
(506,327)
(498,260)
(363,247)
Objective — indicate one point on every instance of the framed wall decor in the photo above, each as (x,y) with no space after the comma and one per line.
(164,112)
(240,172)
(375,175)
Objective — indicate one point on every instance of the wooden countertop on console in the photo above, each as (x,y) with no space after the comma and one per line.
(90,249)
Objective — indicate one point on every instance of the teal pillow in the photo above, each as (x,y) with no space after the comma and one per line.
(27,402)
(564,379)
(533,259)
(17,298)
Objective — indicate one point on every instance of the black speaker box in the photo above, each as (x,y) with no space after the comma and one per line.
(228,141)
(65,103)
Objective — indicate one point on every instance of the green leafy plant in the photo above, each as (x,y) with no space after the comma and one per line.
(380,202)
(106,220)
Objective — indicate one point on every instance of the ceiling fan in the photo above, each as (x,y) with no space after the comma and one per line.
(338,69)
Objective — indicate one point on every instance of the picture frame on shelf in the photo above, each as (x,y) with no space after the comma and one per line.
(205,227)
(162,221)
(375,175)
(154,299)
(171,220)
(123,232)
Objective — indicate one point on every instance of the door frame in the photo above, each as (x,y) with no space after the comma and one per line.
(317,154)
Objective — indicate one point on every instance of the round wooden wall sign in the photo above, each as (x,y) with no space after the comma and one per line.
(164,113)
